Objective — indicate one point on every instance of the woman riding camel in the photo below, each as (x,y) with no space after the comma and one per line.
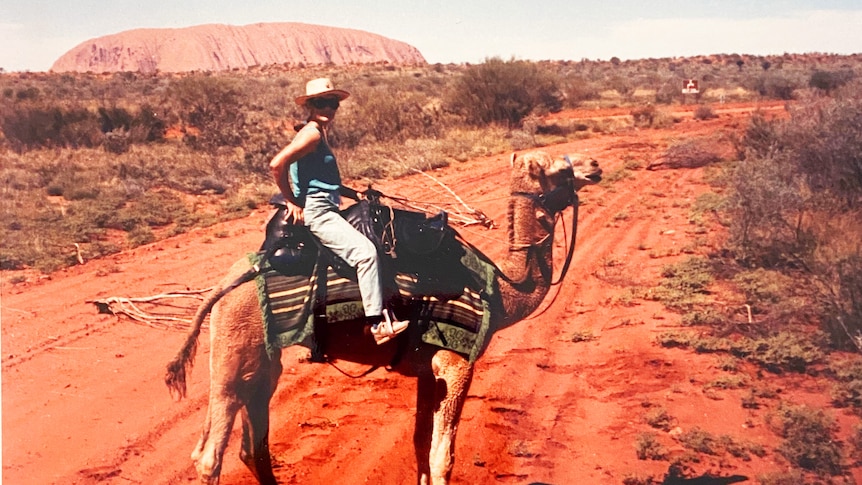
(307,175)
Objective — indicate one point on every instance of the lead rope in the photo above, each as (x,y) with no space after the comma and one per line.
(565,268)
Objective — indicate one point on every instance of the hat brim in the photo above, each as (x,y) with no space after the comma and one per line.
(336,93)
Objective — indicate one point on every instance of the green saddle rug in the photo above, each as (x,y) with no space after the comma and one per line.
(461,323)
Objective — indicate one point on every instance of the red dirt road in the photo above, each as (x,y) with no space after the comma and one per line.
(84,402)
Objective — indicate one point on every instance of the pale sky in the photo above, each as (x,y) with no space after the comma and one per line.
(34,33)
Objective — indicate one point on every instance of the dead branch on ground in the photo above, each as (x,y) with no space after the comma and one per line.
(154,315)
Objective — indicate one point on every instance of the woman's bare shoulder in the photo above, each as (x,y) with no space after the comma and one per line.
(309,133)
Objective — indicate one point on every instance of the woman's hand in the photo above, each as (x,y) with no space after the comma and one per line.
(293,214)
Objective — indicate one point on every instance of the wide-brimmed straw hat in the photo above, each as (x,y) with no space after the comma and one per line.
(319,88)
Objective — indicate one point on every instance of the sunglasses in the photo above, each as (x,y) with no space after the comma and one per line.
(321,103)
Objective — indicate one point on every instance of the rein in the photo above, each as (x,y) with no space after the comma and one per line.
(540,200)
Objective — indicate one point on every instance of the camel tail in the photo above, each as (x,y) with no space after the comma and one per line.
(175,377)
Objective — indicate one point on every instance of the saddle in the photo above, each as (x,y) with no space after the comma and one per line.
(408,243)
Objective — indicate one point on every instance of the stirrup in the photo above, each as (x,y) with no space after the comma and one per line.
(387,328)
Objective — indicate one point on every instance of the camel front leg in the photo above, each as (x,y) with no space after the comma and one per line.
(452,375)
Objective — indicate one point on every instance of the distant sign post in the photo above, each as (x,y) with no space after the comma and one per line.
(689,86)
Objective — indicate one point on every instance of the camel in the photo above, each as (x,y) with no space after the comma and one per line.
(244,377)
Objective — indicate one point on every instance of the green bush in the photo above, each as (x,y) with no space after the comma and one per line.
(214,105)
(830,80)
(847,390)
(796,201)
(498,91)
(684,284)
(808,440)
(784,351)
(760,139)
(386,115)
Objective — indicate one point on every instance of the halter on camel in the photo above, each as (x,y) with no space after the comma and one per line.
(552,204)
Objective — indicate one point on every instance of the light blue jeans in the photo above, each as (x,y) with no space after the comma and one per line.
(324,221)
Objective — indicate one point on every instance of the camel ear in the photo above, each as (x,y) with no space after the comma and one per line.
(512,160)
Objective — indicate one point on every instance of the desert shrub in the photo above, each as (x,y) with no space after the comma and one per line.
(387,115)
(635,479)
(791,477)
(157,208)
(668,91)
(647,447)
(612,177)
(213,105)
(727,382)
(708,317)
(141,127)
(830,80)
(808,440)
(684,284)
(840,291)
(847,389)
(578,89)
(760,138)
(780,352)
(784,351)
(114,118)
(704,112)
(766,202)
(691,153)
(700,441)
(777,299)
(659,418)
(796,201)
(140,235)
(644,116)
(498,91)
(27,127)
(763,285)
(117,141)
(777,85)
(824,139)
(706,203)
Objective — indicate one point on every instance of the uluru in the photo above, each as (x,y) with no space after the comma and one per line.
(218,47)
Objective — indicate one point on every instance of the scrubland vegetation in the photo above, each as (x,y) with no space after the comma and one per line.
(791,199)
(107,162)
(113,161)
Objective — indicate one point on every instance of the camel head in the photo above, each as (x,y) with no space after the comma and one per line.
(585,170)
(554,179)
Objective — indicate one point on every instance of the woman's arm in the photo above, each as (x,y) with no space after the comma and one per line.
(302,144)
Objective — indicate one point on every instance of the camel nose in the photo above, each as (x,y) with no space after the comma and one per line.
(594,164)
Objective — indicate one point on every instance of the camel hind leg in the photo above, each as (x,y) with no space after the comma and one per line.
(442,390)
(241,378)
(255,424)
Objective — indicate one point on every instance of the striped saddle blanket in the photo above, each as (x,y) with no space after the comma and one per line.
(291,305)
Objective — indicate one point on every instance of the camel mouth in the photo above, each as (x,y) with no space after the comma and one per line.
(595,177)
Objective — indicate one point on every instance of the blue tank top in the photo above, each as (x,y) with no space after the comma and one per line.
(315,172)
